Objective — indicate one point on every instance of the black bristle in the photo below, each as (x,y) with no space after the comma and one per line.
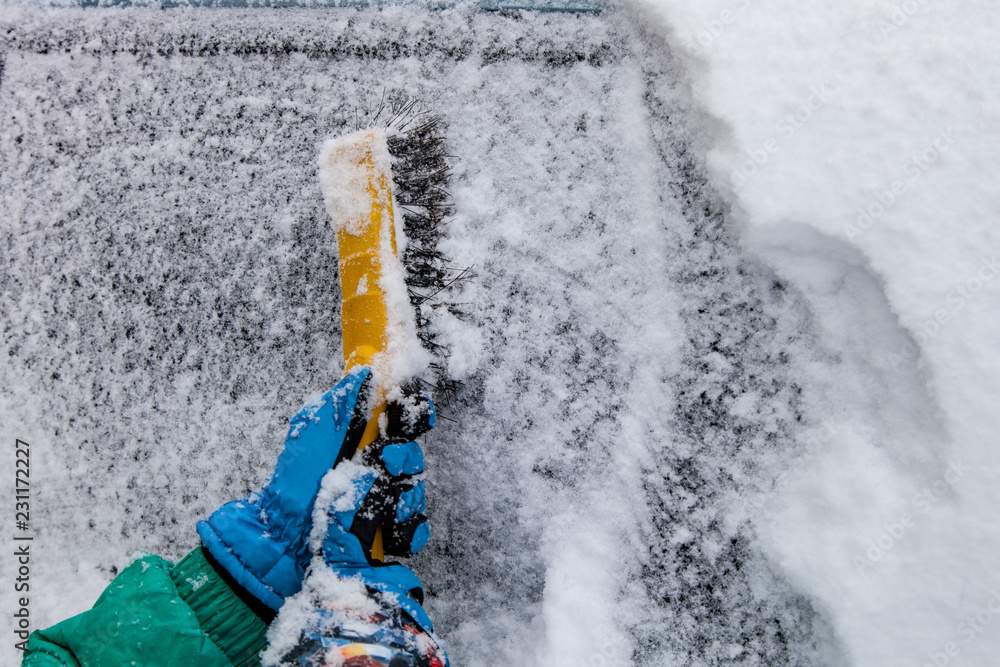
(420,173)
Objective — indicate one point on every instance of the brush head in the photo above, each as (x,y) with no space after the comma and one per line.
(421,174)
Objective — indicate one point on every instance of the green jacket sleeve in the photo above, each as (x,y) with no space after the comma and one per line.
(155,613)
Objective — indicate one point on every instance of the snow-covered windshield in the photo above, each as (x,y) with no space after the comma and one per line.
(722,379)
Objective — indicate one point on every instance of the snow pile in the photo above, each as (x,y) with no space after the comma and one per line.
(873,126)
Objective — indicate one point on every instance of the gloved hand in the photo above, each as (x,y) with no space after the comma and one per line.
(353,610)
(380,492)
(262,540)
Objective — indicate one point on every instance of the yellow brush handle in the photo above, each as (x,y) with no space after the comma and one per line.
(363,312)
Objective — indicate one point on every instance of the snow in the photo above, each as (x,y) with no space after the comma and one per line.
(877,210)
(344,176)
(301,610)
(341,491)
(728,365)
(349,168)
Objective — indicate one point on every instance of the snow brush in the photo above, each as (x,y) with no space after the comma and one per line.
(366,204)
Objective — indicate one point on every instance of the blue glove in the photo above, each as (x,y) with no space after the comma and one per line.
(381,492)
(262,540)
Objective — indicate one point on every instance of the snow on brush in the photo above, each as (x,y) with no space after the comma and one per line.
(346,165)
(726,364)
(351,167)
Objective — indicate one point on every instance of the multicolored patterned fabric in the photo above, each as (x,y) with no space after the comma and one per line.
(383,637)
